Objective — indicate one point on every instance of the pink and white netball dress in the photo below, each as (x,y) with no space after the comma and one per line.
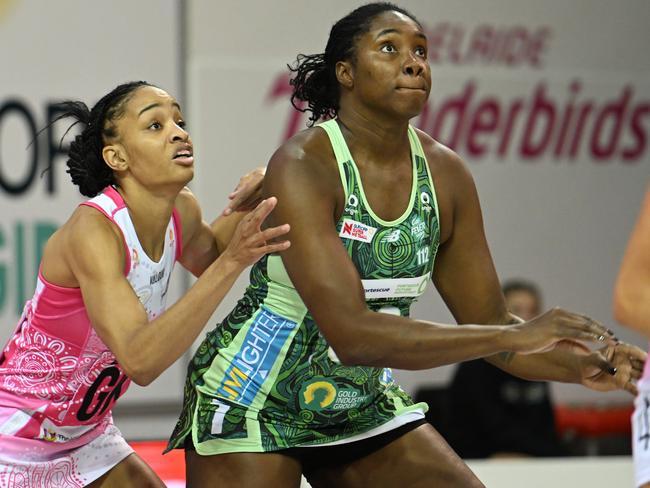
(641,428)
(59,381)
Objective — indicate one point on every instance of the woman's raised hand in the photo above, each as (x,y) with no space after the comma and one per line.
(249,242)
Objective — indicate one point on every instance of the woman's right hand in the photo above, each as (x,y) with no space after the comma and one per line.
(249,242)
(557,326)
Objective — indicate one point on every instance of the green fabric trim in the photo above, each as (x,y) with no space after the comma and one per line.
(341,151)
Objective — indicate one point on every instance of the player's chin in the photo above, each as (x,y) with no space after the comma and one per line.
(410,108)
(186,174)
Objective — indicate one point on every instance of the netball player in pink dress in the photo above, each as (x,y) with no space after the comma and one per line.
(97,320)
(632,308)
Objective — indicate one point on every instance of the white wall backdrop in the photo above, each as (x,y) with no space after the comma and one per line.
(548,103)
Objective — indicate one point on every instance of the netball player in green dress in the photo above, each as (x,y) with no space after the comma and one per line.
(296,379)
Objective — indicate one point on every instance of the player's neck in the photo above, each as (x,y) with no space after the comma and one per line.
(150,213)
(383,140)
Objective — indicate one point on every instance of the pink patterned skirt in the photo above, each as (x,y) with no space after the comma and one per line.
(35,463)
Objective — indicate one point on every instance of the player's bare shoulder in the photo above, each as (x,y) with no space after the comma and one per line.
(89,227)
(447,168)
(441,158)
(308,154)
(87,237)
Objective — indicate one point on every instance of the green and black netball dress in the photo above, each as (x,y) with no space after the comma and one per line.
(266,379)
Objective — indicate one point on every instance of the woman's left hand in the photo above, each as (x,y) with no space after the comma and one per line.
(628,361)
(248,192)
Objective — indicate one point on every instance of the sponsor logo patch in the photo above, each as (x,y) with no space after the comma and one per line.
(250,367)
(425,200)
(351,229)
(395,287)
(322,393)
(418,228)
(318,395)
(392,236)
(352,205)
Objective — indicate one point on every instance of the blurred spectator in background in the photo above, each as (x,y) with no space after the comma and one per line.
(495,414)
